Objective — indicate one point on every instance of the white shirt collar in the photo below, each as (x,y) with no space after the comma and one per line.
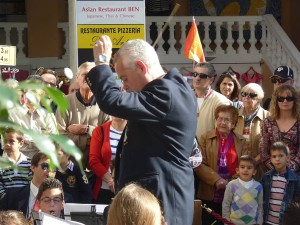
(70,166)
(246,184)
(21,158)
(34,189)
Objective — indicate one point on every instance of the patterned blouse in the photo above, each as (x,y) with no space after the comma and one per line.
(270,133)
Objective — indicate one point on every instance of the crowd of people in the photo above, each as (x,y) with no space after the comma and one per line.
(137,140)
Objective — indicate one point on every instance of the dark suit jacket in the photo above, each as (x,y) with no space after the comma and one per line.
(158,140)
(17,198)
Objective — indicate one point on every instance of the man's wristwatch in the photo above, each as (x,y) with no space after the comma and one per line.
(86,129)
(102,59)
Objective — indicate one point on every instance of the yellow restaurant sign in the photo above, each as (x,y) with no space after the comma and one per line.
(119,34)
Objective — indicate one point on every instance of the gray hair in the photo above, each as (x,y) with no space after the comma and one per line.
(210,68)
(85,65)
(36,78)
(254,87)
(135,50)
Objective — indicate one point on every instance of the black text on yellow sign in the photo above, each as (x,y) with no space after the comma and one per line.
(119,34)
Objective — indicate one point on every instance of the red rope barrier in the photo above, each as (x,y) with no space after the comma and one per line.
(216,215)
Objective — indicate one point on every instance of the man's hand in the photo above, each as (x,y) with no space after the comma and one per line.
(77,128)
(221,184)
(103,47)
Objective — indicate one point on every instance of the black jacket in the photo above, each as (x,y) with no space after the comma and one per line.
(17,198)
(158,139)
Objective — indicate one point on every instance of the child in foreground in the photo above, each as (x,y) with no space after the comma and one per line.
(281,185)
(134,205)
(243,198)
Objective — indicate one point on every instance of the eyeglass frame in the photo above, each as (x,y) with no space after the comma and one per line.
(280,80)
(55,200)
(223,120)
(51,84)
(44,166)
(287,98)
(250,95)
(201,75)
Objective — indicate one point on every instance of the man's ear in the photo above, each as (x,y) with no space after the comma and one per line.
(141,66)
(21,143)
(32,167)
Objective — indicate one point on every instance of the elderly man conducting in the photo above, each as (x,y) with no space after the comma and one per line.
(161,111)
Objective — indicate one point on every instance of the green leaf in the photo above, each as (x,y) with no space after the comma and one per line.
(3,114)
(46,102)
(6,164)
(68,146)
(43,142)
(9,97)
(31,85)
(31,96)
(58,98)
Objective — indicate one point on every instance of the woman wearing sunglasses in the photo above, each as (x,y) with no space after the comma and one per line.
(229,86)
(250,118)
(282,125)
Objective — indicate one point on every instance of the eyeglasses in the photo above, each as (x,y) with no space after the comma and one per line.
(250,95)
(48,201)
(274,80)
(41,70)
(288,99)
(44,166)
(51,84)
(223,120)
(201,75)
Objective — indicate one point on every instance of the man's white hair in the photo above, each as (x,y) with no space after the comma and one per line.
(137,49)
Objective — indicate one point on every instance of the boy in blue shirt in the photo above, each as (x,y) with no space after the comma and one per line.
(10,178)
(75,184)
(281,185)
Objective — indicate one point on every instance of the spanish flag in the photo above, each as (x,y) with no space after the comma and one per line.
(193,47)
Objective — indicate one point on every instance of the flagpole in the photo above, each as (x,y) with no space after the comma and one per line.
(193,60)
(175,9)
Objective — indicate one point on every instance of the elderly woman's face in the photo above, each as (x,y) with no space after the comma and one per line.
(224,123)
(250,99)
